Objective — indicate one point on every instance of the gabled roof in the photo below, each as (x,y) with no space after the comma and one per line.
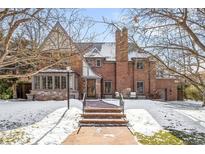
(94,52)
(58,39)
(107,50)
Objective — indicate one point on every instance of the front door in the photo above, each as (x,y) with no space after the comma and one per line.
(91,88)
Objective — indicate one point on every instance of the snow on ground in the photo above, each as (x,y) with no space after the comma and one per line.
(195,115)
(18,113)
(141,121)
(166,113)
(53,129)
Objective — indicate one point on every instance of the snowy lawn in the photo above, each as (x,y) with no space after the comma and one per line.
(52,129)
(155,122)
(14,113)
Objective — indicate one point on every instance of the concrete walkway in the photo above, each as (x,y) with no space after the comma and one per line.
(101,136)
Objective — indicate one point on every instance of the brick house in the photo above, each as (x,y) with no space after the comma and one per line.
(105,68)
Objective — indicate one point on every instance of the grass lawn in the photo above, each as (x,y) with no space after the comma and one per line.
(159,138)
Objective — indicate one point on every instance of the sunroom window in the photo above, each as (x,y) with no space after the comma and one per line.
(50,82)
(44,81)
(57,82)
(37,82)
(63,82)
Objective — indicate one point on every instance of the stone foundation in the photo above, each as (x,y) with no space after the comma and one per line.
(53,95)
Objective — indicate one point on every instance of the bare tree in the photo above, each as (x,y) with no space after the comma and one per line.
(22,32)
(175,37)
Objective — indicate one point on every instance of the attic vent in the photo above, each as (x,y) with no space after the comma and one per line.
(95,51)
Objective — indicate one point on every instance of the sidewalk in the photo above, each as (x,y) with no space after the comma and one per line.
(101,136)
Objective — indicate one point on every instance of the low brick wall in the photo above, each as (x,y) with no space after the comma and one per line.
(53,95)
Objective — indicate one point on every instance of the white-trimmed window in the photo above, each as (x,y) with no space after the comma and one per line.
(108,87)
(63,82)
(98,63)
(50,82)
(140,87)
(44,81)
(37,82)
(57,82)
(140,65)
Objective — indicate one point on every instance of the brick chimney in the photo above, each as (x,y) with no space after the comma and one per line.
(122,78)
(122,45)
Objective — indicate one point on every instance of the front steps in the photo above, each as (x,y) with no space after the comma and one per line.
(103,117)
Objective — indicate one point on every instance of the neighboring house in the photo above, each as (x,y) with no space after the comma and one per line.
(104,68)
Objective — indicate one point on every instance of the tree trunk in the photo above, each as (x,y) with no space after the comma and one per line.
(203,99)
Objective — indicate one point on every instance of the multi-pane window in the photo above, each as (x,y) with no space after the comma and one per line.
(57,82)
(37,82)
(140,65)
(50,82)
(108,87)
(63,82)
(44,81)
(140,87)
(54,82)
(98,62)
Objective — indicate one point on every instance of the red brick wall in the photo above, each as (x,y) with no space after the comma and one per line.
(107,72)
(171,88)
(143,75)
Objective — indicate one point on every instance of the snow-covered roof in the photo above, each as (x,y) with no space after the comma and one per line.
(55,71)
(88,72)
(107,50)
(140,55)
(94,52)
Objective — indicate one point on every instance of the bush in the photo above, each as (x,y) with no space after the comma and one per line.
(193,93)
(6,89)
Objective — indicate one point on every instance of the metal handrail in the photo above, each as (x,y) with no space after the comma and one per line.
(122,104)
(84,102)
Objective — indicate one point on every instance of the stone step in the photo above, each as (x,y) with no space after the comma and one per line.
(103,110)
(103,115)
(101,125)
(104,121)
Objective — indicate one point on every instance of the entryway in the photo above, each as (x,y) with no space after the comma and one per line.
(22,89)
(91,88)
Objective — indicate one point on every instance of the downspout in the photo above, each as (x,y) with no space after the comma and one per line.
(133,79)
(149,90)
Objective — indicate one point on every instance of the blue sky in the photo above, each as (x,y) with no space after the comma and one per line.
(97,14)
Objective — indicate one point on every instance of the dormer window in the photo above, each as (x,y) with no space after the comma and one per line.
(140,65)
(98,63)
